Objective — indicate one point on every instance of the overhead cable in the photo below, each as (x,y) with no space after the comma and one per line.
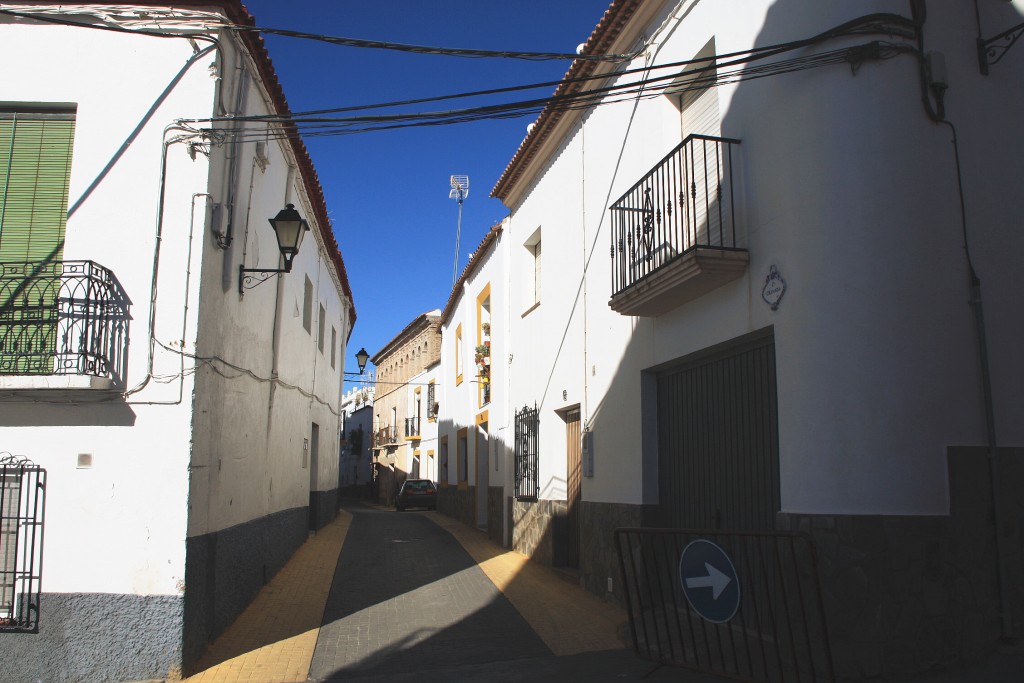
(735,71)
(430,50)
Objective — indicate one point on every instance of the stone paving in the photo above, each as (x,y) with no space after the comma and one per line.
(407,597)
(384,596)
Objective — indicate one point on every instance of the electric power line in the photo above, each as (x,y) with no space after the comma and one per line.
(744,71)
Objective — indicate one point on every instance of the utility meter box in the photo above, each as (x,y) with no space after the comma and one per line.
(588,454)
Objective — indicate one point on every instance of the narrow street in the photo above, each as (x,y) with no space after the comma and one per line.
(383,595)
(407,598)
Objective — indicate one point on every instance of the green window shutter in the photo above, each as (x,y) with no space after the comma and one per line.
(35,169)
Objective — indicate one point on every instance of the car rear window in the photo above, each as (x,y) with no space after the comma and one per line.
(420,485)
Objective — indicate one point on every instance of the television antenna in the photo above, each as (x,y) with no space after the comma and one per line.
(459,192)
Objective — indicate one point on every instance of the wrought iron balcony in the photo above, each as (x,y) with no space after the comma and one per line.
(412,428)
(385,436)
(63,318)
(674,232)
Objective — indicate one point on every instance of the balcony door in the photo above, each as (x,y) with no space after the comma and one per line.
(697,100)
(35,169)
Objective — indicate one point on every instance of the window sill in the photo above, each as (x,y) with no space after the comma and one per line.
(530,310)
(56,382)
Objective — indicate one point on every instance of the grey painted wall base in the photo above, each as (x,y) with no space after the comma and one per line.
(495,516)
(97,638)
(538,529)
(457,503)
(909,595)
(323,506)
(599,558)
(225,570)
(533,528)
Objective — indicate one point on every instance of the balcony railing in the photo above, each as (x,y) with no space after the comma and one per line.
(412,428)
(673,233)
(63,318)
(385,436)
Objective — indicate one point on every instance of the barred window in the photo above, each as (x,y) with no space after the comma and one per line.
(526,449)
(431,402)
(22,492)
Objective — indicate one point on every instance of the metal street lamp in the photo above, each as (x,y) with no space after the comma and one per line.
(361,357)
(290,228)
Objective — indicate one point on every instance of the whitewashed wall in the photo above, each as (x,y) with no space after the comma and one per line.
(119,526)
(460,404)
(254,436)
(850,190)
(130,507)
(427,444)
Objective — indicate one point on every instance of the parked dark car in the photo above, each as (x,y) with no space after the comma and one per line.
(416,493)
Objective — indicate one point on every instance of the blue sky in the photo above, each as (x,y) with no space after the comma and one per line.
(387,191)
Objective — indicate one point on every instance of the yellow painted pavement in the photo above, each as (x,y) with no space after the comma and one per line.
(273,640)
(568,619)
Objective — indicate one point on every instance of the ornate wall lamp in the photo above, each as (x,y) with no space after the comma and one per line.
(290,228)
(360,358)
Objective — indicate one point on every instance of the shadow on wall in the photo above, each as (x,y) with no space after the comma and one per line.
(458,495)
(61,414)
(901,595)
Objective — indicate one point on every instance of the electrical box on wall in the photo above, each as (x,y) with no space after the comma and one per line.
(587,447)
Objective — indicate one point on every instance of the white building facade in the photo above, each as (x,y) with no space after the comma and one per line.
(760,315)
(186,413)
(473,430)
(355,470)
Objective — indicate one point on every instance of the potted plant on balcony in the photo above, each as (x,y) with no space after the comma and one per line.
(483,354)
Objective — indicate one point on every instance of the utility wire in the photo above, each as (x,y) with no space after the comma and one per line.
(329,126)
(430,50)
(883,24)
(333,40)
(212,361)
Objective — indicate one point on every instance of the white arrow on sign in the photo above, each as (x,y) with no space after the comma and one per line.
(715,580)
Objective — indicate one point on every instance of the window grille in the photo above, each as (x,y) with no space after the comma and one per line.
(22,494)
(526,451)
(431,402)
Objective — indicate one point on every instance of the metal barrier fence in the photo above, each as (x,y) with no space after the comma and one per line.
(744,605)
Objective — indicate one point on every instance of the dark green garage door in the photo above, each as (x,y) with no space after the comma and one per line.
(718,439)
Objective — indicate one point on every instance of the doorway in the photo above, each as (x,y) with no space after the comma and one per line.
(718,442)
(314,462)
(482,472)
(573,487)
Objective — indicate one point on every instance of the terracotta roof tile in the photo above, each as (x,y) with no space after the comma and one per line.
(237,13)
(608,29)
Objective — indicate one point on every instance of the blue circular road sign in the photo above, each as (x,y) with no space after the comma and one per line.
(709,580)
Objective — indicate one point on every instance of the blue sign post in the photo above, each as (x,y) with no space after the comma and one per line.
(709,581)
